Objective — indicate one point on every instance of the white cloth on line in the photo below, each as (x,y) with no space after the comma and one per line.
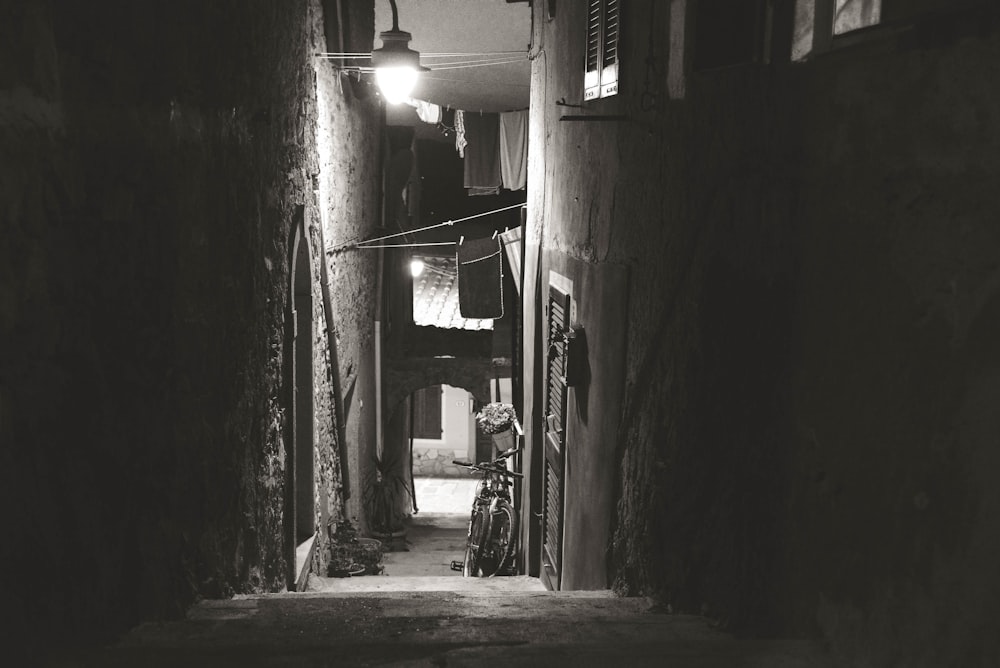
(514,149)
(460,141)
(428,112)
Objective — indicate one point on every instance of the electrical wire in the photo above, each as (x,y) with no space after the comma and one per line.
(366,242)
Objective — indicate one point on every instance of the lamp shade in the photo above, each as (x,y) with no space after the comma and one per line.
(396,66)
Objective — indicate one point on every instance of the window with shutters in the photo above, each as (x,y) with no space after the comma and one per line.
(818,21)
(603,28)
(427,413)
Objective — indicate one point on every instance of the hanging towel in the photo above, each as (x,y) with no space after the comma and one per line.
(514,149)
(483,191)
(428,112)
(480,278)
(482,154)
(460,141)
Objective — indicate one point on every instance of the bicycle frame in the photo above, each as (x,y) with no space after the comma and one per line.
(492,533)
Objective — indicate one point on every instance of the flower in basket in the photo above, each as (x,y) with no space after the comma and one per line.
(496,417)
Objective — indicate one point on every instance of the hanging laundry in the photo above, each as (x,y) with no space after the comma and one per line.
(480,278)
(514,149)
(482,153)
(428,112)
(447,123)
(482,191)
(460,141)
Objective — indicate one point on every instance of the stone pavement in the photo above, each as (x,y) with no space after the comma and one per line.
(421,613)
(435,537)
(445,495)
(441,629)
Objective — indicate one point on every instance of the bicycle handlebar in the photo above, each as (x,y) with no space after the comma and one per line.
(488,466)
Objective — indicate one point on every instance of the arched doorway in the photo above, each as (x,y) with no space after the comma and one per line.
(300,522)
(430,428)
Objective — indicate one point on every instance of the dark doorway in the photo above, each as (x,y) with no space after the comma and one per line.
(300,450)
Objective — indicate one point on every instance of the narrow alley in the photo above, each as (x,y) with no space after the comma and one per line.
(713,284)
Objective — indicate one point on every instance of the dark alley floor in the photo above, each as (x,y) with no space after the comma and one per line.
(440,629)
(421,613)
(435,537)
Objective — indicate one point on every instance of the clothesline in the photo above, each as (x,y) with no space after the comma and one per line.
(366,242)
(434,243)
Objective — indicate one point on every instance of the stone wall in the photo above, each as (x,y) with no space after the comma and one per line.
(147,203)
(437,463)
(346,205)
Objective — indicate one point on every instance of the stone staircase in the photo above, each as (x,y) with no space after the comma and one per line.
(445,628)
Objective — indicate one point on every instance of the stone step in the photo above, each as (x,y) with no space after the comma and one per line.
(446,629)
(442,583)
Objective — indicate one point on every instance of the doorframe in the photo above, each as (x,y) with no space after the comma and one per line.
(300,493)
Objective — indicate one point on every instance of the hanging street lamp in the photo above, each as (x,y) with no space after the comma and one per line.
(397,66)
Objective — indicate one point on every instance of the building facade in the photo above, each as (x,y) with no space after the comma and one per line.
(761,315)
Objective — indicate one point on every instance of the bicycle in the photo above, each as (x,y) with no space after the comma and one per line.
(493,524)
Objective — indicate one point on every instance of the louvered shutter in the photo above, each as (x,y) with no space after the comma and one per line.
(609,60)
(427,413)
(600,77)
(555,430)
(592,74)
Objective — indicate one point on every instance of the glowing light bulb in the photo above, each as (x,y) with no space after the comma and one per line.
(416,267)
(396,83)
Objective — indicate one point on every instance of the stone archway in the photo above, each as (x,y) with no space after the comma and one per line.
(404,377)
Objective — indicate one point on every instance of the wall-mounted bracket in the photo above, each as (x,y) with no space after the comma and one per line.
(616,117)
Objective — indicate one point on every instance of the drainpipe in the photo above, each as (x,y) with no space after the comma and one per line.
(413,488)
(331,341)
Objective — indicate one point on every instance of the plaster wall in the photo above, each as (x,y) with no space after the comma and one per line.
(811,334)
(457,423)
(347,197)
(593,407)
(896,360)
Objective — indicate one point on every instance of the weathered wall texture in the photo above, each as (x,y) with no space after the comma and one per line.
(146,203)
(811,380)
(895,377)
(347,198)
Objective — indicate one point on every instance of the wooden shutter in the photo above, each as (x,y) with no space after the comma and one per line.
(427,412)
(557,317)
(600,77)
(592,72)
(609,57)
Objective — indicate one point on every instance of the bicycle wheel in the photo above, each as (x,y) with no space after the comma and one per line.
(478,526)
(503,536)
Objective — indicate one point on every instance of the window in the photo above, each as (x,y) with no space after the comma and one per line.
(853,14)
(601,75)
(427,413)
(817,21)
